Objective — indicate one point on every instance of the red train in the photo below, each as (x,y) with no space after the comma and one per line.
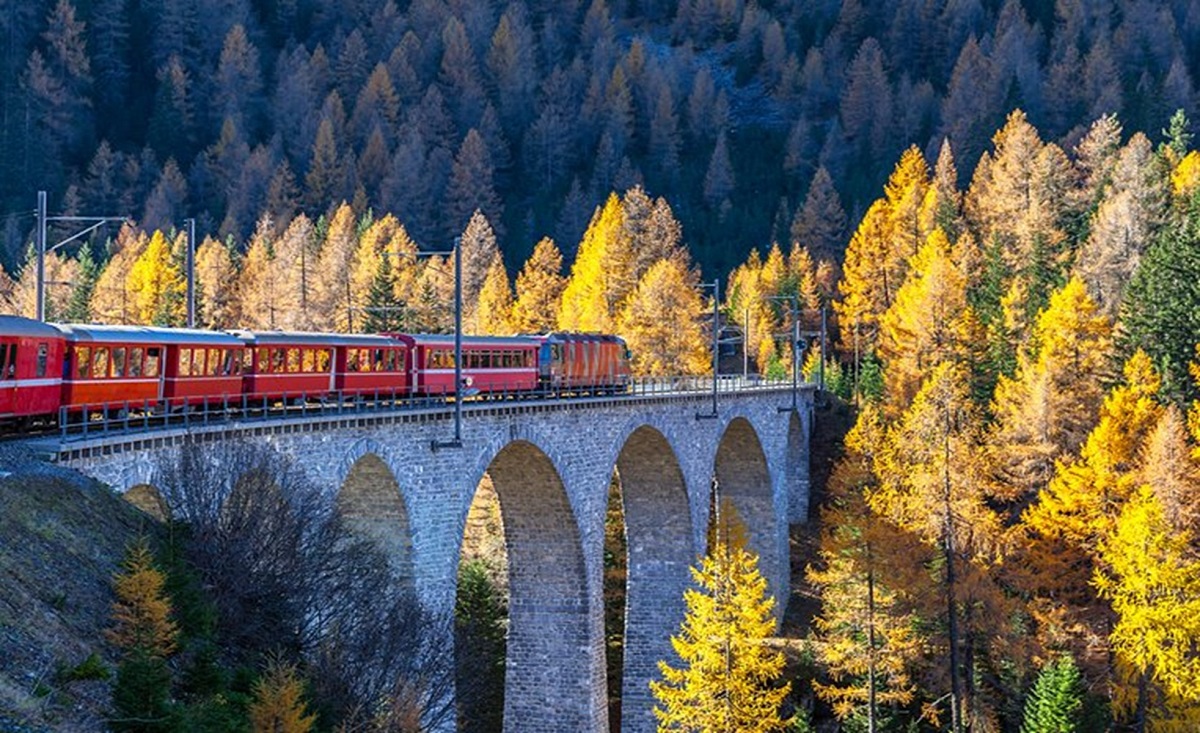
(46,367)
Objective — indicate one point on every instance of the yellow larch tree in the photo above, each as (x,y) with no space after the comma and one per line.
(111,299)
(539,290)
(61,272)
(905,195)
(867,635)
(1171,468)
(1077,509)
(728,679)
(145,633)
(278,705)
(1185,177)
(333,295)
(364,265)
(930,484)
(661,323)
(865,288)
(262,301)
(744,302)
(216,283)
(1085,496)
(923,327)
(406,267)
(294,264)
(492,311)
(141,612)
(589,300)
(1151,575)
(157,285)
(1042,414)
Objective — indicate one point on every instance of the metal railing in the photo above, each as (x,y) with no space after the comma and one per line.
(96,420)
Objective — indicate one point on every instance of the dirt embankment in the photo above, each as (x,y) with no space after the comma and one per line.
(61,539)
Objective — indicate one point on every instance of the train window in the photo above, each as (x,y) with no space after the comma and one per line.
(100,363)
(263,360)
(43,355)
(216,361)
(185,362)
(278,360)
(83,362)
(233,361)
(152,356)
(3,360)
(391,360)
(197,362)
(352,360)
(11,369)
(118,361)
(323,360)
(400,360)
(308,361)
(377,361)
(293,360)
(135,362)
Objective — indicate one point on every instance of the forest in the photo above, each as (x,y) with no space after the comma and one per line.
(531,112)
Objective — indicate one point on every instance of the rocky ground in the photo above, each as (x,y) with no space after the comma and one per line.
(61,539)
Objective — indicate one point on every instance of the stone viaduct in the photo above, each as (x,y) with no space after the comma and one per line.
(551,463)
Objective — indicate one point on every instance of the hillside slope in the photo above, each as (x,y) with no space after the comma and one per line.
(61,538)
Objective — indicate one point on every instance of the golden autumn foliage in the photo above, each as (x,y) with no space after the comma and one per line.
(661,323)
(493,310)
(591,298)
(278,705)
(867,636)
(924,325)
(728,679)
(539,290)
(1151,575)
(1083,500)
(157,285)
(1044,411)
(1185,177)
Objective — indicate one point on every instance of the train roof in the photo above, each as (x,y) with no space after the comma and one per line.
(305,338)
(20,326)
(76,332)
(583,336)
(447,339)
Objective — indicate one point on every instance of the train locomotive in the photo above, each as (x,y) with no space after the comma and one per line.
(48,369)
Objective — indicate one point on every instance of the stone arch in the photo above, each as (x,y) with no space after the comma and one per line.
(796,469)
(552,650)
(743,477)
(149,499)
(370,503)
(658,532)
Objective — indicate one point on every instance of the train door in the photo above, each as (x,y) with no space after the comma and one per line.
(8,380)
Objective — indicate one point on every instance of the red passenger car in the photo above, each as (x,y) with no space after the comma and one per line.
(491,364)
(314,365)
(584,361)
(145,366)
(31,355)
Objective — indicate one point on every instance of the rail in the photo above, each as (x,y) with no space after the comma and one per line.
(96,420)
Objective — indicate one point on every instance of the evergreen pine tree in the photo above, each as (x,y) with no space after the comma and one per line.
(1055,705)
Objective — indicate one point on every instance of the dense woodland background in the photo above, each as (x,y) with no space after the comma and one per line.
(226,110)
